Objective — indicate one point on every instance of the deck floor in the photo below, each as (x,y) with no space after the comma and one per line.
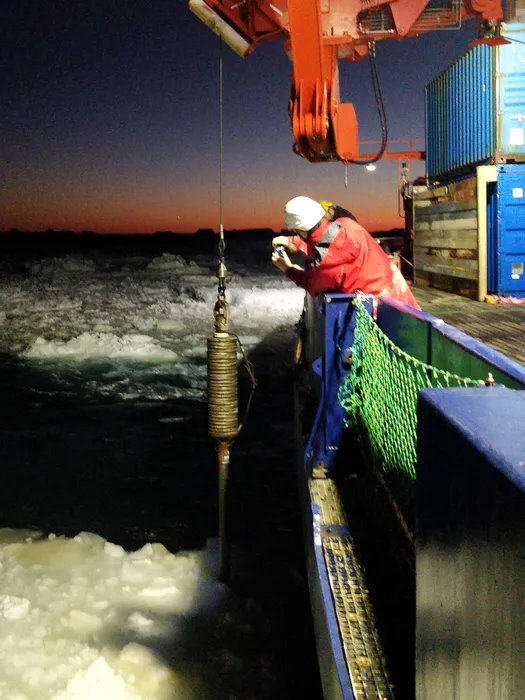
(501,326)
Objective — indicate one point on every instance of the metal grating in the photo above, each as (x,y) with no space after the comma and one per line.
(376,21)
(362,647)
(326,497)
(444,15)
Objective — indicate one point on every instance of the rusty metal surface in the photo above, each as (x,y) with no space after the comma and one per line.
(500,326)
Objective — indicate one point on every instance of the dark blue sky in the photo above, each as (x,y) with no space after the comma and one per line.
(110,120)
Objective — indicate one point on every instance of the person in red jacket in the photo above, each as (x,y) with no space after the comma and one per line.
(345,257)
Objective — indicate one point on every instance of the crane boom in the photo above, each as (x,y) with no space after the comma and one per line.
(318,33)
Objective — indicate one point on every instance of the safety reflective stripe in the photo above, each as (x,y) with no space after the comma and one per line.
(322,245)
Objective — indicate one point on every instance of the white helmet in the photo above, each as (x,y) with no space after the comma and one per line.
(303,213)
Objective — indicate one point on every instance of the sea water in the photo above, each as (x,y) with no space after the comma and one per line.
(109,511)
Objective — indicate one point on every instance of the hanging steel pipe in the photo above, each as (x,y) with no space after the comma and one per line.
(223,456)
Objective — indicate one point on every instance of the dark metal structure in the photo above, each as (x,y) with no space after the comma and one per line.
(471,539)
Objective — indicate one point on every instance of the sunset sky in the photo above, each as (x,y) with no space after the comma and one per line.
(110,121)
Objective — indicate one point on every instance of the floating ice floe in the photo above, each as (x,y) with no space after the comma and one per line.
(95,622)
(168,261)
(101,345)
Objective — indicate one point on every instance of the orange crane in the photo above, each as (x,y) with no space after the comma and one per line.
(318,33)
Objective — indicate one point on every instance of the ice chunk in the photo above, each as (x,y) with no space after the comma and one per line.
(13,608)
(101,345)
(98,682)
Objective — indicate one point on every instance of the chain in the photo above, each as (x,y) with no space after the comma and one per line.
(221,270)
(221,310)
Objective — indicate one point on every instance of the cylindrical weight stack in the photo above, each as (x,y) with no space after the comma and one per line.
(222,386)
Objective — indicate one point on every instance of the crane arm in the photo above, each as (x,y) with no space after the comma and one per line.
(318,33)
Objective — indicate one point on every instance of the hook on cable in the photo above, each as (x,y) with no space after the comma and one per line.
(221,313)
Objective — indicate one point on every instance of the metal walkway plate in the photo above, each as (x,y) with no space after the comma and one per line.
(352,603)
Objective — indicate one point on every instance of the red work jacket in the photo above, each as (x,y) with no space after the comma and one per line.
(353,261)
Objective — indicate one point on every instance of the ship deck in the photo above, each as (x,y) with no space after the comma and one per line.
(500,326)
(373,639)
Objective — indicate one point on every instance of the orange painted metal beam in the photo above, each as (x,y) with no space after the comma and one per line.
(322,127)
(410,153)
(396,155)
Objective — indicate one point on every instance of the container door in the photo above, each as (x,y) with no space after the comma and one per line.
(511,230)
(511,90)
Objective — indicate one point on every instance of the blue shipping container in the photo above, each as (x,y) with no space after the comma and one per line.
(475,109)
(506,232)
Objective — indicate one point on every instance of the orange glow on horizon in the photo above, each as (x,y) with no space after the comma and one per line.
(248,203)
(146,222)
(187,227)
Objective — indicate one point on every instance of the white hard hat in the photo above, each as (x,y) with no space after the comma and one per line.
(303,213)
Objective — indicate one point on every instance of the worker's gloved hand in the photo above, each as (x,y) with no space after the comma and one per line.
(281,260)
(287,242)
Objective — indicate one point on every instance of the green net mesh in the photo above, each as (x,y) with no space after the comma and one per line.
(380,394)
